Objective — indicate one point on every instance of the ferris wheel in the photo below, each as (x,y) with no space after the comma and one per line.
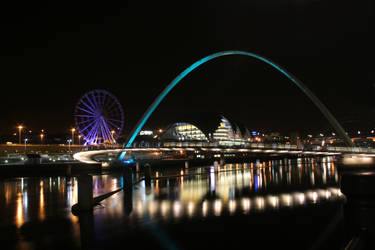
(99,117)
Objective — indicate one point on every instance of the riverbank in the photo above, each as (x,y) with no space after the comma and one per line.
(49,169)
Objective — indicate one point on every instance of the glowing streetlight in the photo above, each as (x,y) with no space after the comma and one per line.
(113,138)
(69,141)
(79,139)
(73,130)
(25,144)
(20,127)
(41,138)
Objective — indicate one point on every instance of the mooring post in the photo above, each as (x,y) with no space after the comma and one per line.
(86,228)
(85,195)
(128,201)
(359,209)
(147,173)
(128,178)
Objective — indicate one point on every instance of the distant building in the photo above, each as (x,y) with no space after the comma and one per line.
(215,130)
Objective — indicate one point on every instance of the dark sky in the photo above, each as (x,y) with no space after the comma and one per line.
(52,54)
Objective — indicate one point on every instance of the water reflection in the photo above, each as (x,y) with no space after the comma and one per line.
(217,190)
(236,188)
(25,199)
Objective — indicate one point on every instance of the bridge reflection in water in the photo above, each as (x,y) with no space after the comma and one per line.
(191,194)
(236,188)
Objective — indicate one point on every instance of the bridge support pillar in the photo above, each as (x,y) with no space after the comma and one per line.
(85,195)
(186,164)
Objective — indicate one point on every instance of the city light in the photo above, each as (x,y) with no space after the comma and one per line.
(73,130)
(69,141)
(20,127)
(25,144)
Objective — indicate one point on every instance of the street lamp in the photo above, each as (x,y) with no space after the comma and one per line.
(19,133)
(41,138)
(113,138)
(25,144)
(79,139)
(69,141)
(73,129)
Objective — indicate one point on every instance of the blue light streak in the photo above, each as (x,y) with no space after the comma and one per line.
(195,65)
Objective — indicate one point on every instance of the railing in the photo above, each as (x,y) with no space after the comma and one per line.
(351,149)
(236,145)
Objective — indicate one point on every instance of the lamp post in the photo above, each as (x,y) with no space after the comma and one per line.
(41,138)
(20,127)
(69,141)
(25,144)
(79,139)
(113,138)
(73,129)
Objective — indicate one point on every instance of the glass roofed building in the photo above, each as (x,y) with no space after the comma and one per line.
(182,131)
(214,130)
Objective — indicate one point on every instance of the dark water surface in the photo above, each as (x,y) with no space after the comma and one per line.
(283,204)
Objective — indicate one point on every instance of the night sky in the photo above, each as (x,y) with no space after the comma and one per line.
(52,54)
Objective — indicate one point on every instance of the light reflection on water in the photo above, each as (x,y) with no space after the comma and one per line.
(193,192)
(230,189)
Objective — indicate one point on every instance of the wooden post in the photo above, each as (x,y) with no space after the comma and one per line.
(147,173)
(128,178)
(85,199)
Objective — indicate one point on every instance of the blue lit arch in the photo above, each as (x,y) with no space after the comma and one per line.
(335,124)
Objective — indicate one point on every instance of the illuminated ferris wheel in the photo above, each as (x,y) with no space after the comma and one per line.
(99,117)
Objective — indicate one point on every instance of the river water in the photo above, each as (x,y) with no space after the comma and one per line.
(289,203)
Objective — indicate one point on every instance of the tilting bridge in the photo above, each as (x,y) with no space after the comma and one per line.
(94,156)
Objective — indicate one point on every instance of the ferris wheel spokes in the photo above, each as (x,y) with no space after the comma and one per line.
(98,115)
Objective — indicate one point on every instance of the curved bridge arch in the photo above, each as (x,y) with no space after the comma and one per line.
(335,124)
